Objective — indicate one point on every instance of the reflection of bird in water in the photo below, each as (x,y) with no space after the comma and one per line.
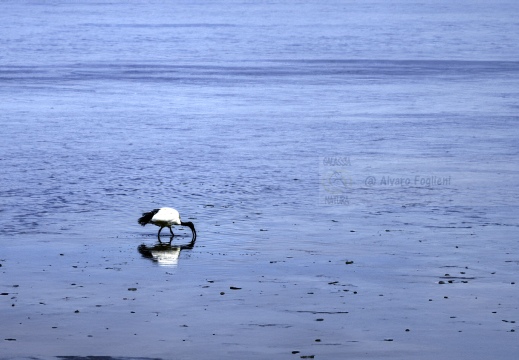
(165,217)
(164,254)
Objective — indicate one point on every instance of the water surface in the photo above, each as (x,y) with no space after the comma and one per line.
(226,111)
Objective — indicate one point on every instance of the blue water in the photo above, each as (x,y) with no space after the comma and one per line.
(225,111)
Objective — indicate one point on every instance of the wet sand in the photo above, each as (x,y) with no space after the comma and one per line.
(391,293)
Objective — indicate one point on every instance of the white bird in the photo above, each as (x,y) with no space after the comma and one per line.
(165,217)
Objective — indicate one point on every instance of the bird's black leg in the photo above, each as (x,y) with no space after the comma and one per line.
(171,231)
(158,235)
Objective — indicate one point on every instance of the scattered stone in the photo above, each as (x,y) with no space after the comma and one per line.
(388,339)
(235,288)
(77,311)
(349,262)
(320,319)
(132,289)
(10,339)
(222,293)
(407,330)
(441,282)
(317,340)
(295,352)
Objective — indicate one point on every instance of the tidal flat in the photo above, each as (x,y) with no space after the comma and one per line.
(351,169)
(389,292)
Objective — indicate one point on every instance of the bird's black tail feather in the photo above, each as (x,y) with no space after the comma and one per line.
(147,216)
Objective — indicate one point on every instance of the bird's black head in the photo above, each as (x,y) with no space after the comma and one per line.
(190,225)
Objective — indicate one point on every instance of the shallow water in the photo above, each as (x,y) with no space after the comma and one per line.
(298,139)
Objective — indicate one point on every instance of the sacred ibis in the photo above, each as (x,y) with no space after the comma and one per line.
(165,217)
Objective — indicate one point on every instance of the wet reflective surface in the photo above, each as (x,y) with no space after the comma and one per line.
(351,169)
(163,253)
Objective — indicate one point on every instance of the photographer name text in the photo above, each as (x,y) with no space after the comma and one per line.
(416,180)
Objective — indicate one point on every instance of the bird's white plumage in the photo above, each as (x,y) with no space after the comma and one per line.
(166,217)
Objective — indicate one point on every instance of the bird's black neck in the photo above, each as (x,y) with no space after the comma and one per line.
(190,225)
